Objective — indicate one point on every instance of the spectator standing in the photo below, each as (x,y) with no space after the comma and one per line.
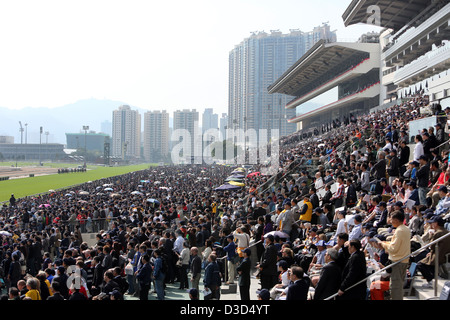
(268,264)
(330,276)
(212,279)
(243,269)
(353,272)
(398,248)
(196,268)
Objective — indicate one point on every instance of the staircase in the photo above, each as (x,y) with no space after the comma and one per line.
(419,293)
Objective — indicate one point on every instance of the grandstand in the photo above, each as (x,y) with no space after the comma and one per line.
(351,67)
(415,54)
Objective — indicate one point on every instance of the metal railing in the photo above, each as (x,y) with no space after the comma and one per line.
(436,265)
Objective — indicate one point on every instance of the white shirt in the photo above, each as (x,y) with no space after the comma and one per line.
(340,227)
(418,151)
(178,244)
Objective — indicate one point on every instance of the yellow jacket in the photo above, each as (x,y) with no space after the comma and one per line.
(308,214)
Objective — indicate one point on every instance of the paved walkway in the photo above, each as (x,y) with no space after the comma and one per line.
(173,293)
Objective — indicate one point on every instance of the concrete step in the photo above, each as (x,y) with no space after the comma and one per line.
(426,293)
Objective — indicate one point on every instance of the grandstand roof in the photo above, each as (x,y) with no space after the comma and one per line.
(316,62)
(369,92)
(393,14)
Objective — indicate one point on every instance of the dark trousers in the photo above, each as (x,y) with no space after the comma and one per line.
(426,270)
(268,281)
(143,293)
(184,284)
(215,293)
(244,292)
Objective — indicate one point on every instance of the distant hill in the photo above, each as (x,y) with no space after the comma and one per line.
(58,121)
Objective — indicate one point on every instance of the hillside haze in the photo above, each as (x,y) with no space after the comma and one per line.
(58,121)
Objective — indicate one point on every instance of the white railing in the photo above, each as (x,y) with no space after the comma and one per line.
(423,63)
(409,36)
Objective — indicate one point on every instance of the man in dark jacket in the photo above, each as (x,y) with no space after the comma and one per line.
(393,169)
(354,271)
(97,275)
(268,264)
(299,288)
(330,276)
(379,168)
(403,156)
(144,277)
(196,267)
(212,278)
(243,269)
(423,178)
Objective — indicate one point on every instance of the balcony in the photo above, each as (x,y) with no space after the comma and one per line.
(424,67)
(417,41)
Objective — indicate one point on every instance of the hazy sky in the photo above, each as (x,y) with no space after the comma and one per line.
(150,54)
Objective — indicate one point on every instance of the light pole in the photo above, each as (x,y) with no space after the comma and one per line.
(26,132)
(40,142)
(46,137)
(85,128)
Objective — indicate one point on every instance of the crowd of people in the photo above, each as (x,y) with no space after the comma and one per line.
(349,201)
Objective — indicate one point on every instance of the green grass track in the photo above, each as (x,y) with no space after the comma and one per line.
(33,185)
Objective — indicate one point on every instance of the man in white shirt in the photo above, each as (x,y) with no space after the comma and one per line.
(418,149)
(178,244)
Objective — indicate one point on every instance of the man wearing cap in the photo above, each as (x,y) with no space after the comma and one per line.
(264,294)
(243,269)
(444,202)
(398,248)
(426,266)
(423,178)
(319,258)
(381,215)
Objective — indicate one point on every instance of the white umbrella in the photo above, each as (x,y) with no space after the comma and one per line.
(157,182)
(108,189)
(5,233)
(107,184)
(137,193)
(278,233)
(83,193)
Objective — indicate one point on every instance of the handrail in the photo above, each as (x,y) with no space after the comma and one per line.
(399,261)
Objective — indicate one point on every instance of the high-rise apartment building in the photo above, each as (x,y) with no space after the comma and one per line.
(254,65)
(126,133)
(156,136)
(186,121)
(210,120)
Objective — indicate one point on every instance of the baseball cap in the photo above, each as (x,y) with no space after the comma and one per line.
(193,292)
(443,189)
(437,219)
(321,243)
(264,294)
